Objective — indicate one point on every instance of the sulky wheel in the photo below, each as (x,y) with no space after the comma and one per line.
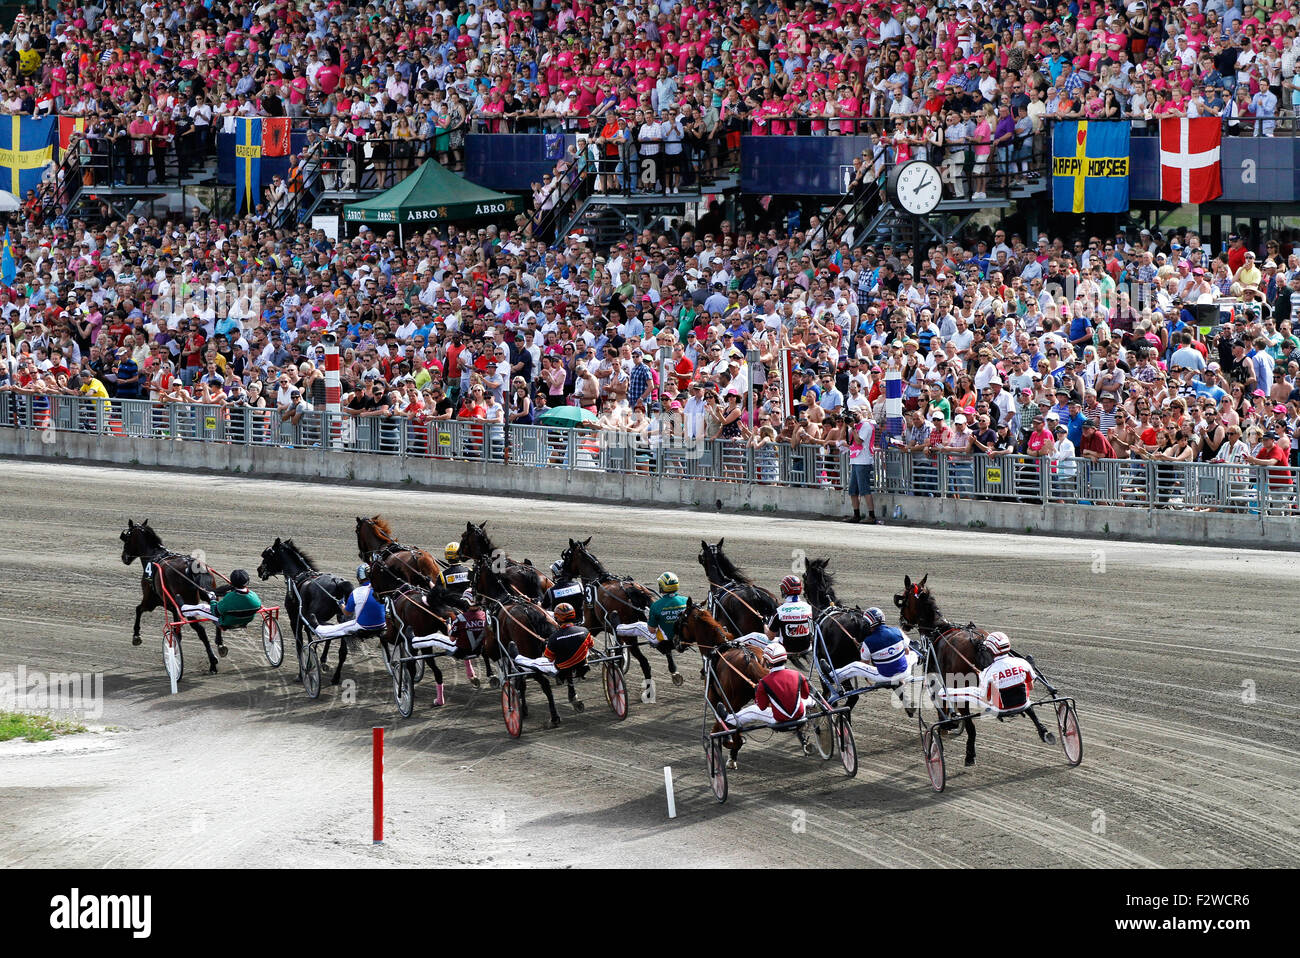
(717,770)
(848,747)
(932,749)
(173,658)
(615,688)
(1067,722)
(510,707)
(272,641)
(309,662)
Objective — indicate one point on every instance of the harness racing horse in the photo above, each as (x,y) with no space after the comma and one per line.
(376,544)
(613,601)
(168,580)
(527,625)
(309,595)
(739,604)
(413,611)
(958,651)
(842,630)
(521,577)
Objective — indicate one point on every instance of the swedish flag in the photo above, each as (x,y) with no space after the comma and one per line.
(26,149)
(1090,166)
(248,163)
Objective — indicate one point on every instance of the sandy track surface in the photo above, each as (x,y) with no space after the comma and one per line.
(1160,645)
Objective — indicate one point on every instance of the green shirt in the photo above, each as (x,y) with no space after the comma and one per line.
(665,612)
(236,609)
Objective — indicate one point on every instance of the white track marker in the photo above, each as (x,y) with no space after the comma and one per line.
(668,784)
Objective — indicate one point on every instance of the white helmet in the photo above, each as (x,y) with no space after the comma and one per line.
(775,654)
(556,567)
(997,643)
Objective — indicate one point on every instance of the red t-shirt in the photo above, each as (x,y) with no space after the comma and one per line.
(1282,458)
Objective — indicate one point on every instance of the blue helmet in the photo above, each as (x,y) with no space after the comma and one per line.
(875,617)
(363,573)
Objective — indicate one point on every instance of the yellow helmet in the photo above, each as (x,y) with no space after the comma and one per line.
(452,552)
(667,583)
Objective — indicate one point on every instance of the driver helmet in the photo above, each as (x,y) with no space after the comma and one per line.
(997,643)
(239,578)
(667,584)
(556,568)
(564,613)
(452,552)
(792,585)
(775,654)
(363,573)
(875,617)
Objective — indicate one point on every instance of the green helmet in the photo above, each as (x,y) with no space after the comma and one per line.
(667,583)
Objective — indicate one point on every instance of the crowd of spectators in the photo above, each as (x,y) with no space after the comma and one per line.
(676,82)
(1093,348)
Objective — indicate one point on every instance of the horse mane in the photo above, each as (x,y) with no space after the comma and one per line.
(730,569)
(710,620)
(380,525)
(301,554)
(150,537)
(535,617)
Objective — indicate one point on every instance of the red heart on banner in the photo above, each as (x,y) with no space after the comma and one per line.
(1083,134)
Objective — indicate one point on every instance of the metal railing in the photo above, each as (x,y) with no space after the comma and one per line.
(1241,488)
(466,440)
(1143,483)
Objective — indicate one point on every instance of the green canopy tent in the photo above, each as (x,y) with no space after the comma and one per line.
(429,196)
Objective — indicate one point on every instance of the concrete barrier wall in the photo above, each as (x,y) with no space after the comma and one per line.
(1163,525)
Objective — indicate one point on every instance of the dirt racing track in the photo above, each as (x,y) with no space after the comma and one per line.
(1183,662)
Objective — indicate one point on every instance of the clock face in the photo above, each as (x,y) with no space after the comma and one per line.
(918,188)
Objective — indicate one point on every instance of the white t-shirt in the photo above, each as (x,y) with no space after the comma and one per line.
(866,436)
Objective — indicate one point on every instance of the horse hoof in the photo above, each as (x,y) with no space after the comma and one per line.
(222,651)
(475,683)
(1049,738)
(732,764)
(677,679)
(335,681)
(970,761)
(494,683)
(212,667)
(136,640)
(578,706)
(555,722)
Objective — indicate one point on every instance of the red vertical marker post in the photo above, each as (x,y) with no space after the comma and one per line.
(377,741)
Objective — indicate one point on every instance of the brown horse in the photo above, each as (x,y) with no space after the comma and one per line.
(521,578)
(730,673)
(376,543)
(959,654)
(168,580)
(413,611)
(527,625)
(615,601)
(743,606)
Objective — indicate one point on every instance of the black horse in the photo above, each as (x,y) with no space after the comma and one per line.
(168,580)
(614,601)
(413,611)
(740,605)
(310,595)
(842,629)
(960,654)
(520,577)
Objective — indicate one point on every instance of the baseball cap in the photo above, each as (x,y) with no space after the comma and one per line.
(937,414)
(959,419)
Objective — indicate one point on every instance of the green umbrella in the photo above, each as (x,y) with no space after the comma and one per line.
(566,416)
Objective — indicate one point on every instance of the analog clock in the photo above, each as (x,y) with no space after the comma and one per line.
(915,187)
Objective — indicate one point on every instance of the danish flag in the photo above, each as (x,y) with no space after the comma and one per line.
(1189,160)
